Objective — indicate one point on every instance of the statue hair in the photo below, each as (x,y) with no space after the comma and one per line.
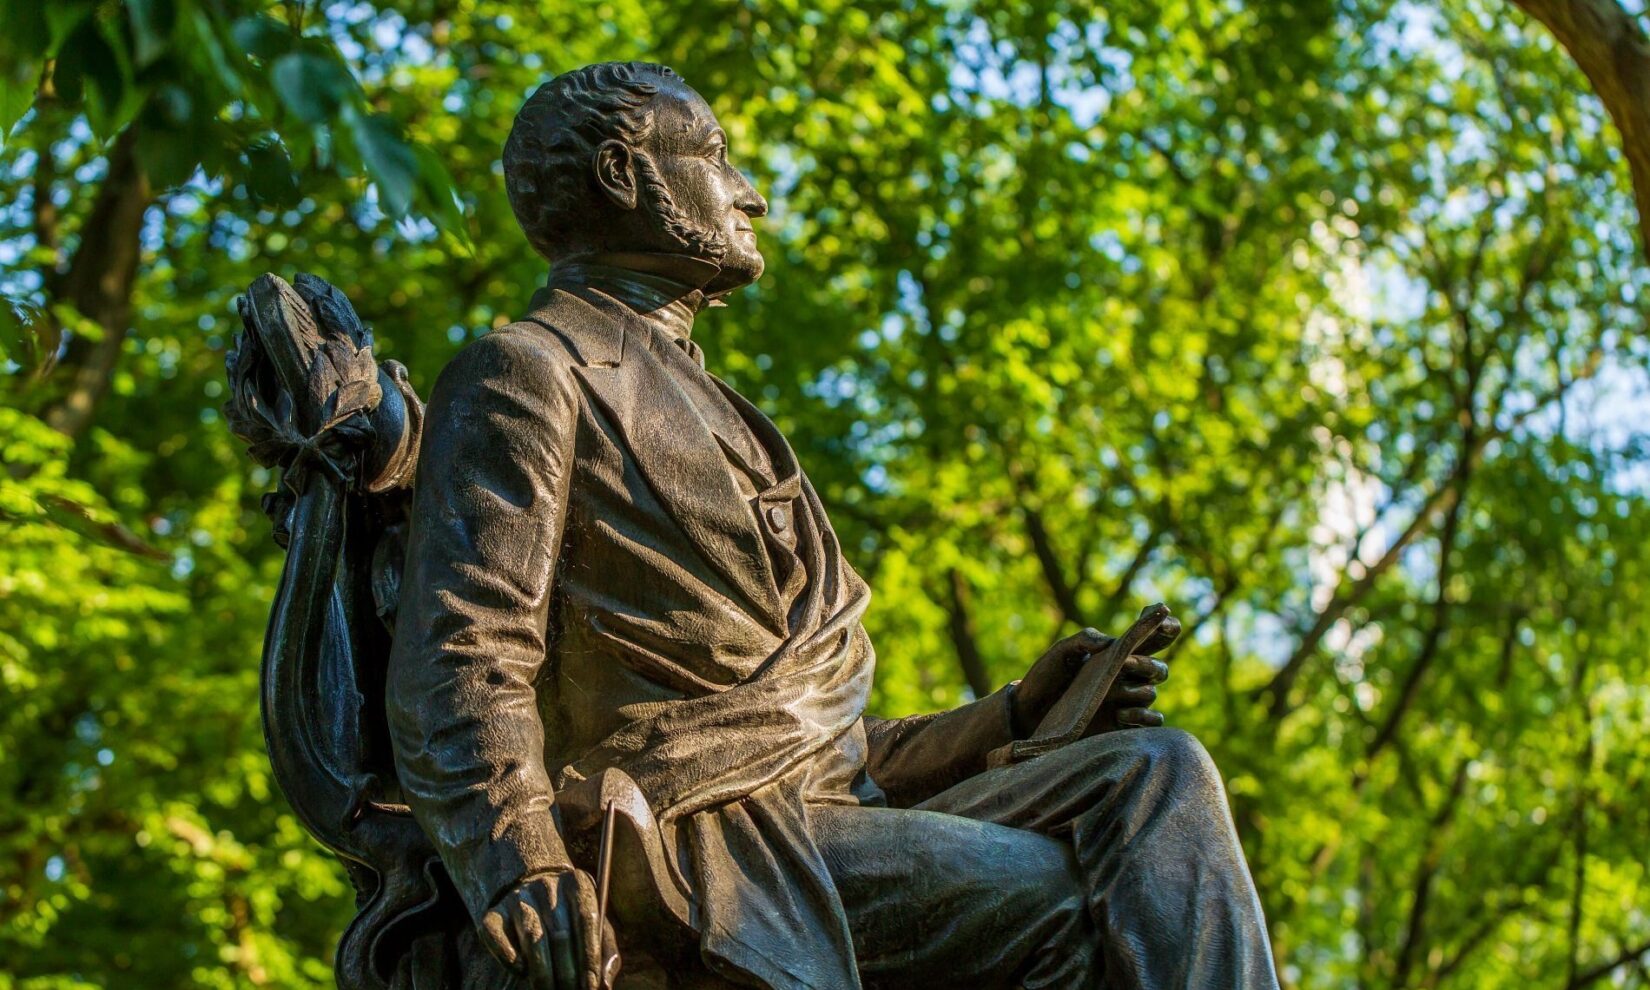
(547,158)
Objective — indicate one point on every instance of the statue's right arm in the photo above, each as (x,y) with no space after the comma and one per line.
(488,516)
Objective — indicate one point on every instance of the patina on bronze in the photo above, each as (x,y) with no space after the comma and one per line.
(605,620)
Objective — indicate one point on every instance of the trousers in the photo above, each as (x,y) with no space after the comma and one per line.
(1110,863)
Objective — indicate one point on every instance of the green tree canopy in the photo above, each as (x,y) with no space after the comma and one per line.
(1321,320)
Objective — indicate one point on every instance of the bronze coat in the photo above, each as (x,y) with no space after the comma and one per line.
(587,588)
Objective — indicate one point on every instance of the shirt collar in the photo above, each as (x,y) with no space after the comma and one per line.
(663,302)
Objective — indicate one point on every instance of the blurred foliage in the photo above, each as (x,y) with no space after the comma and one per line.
(1321,320)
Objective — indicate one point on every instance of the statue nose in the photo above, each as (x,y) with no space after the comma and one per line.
(751,202)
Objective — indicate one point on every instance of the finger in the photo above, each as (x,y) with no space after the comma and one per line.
(610,955)
(1075,649)
(1140,718)
(498,939)
(591,935)
(561,945)
(567,966)
(535,948)
(1166,633)
(1134,696)
(1146,670)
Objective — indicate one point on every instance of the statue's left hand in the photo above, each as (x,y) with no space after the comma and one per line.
(549,931)
(1128,705)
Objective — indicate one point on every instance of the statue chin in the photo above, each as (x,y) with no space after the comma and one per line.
(715,261)
(736,273)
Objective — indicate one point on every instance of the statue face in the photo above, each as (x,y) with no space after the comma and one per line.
(709,197)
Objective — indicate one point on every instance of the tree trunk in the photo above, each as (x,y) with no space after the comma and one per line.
(1065,596)
(961,627)
(99,285)
(1610,46)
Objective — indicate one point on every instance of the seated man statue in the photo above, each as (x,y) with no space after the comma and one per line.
(622,602)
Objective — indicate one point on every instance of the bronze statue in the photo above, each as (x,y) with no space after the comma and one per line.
(581,698)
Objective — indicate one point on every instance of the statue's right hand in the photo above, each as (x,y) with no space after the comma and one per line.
(546,929)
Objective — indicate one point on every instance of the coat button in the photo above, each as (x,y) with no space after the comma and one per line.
(778,518)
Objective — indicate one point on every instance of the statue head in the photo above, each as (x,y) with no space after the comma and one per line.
(625,159)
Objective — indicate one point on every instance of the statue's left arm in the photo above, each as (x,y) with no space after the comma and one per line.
(487,523)
(916,757)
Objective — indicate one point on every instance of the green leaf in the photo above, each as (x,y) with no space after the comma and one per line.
(169,151)
(437,190)
(152,22)
(112,100)
(82,53)
(208,55)
(87,522)
(20,328)
(388,159)
(262,36)
(173,104)
(26,34)
(72,320)
(62,20)
(270,177)
(312,86)
(19,81)
(94,70)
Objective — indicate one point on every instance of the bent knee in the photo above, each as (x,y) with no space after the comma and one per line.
(1175,757)
(1174,748)
(1155,757)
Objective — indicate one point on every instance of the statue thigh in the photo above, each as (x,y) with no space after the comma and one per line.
(940,900)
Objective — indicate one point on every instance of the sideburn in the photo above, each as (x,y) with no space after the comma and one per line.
(700,242)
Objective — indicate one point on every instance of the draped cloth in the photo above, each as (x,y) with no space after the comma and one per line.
(730,769)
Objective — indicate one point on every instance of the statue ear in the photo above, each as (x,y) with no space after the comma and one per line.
(616,172)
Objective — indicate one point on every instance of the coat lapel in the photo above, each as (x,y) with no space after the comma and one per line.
(672,445)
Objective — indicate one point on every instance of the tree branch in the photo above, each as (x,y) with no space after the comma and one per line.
(1427,872)
(1584,766)
(99,284)
(1120,593)
(1349,595)
(1441,500)
(1598,972)
(960,624)
(1411,688)
(1611,49)
(1065,598)
(1491,920)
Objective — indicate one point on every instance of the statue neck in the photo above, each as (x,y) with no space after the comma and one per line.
(662,289)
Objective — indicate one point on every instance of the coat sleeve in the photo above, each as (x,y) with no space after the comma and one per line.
(914,758)
(489,510)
